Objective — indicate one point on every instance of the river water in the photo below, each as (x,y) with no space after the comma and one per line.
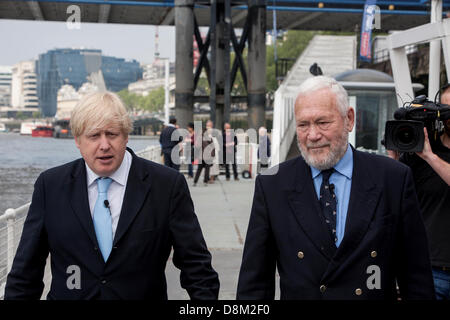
(23,158)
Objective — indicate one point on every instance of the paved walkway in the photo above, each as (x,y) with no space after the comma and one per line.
(223,210)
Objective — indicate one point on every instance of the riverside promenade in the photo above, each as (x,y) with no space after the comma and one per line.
(223,210)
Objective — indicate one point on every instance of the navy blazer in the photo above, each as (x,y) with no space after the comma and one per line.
(165,139)
(157,215)
(384,241)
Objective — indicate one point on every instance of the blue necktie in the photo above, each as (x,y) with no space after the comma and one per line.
(102,218)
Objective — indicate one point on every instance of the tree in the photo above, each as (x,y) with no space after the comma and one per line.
(154,101)
(131,100)
(290,47)
(36,114)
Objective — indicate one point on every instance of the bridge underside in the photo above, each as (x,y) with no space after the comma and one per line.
(305,15)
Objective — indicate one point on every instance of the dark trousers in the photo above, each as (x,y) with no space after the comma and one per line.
(168,161)
(190,170)
(227,170)
(199,171)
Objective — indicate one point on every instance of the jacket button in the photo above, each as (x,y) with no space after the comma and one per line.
(103,281)
(373,254)
(115,248)
(323,288)
(300,255)
(358,292)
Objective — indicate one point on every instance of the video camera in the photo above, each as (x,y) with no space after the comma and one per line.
(405,134)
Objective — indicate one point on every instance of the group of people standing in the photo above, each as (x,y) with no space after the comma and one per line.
(209,150)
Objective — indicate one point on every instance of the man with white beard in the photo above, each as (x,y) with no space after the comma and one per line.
(336,222)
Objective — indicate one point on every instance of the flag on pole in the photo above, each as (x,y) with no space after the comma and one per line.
(370,10)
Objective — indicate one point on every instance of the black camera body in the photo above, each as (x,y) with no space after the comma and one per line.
(405,134)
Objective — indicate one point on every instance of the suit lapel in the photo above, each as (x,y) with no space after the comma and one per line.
(305,206)
(79,200)
(364,197)
(138,186)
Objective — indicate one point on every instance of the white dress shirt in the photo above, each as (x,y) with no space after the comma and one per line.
(115,192)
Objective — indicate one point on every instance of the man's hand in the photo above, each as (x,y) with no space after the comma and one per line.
(441,167)
(426,153)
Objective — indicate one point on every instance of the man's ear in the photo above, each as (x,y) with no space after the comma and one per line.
(350,118)
(77,142)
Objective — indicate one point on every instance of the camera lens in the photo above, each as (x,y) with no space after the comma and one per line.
(405,136)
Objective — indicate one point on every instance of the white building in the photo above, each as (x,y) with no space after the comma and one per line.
(68,97)
(157,69)
(143,87)
(23,86)
(5,86)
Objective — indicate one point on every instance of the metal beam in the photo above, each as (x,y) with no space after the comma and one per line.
(304,20)
(239,17)
(203,48)
(435,52)
(239,61)
(401,75)
(226,62)
(212,83)
(424,33)
(169,19)
(36,10)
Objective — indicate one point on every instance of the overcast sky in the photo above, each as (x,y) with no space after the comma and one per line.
(25,40)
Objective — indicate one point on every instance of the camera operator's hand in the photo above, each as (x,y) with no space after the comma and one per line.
(426,153)
(441,167)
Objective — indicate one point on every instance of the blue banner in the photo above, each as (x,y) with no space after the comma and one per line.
(370,10)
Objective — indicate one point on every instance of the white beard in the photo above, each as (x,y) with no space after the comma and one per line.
(334,155)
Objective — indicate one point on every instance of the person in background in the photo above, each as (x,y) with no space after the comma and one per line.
(431,174)
(214,170)
(167,144)
(190,142)
(229,151)
(263,148)
(206,158)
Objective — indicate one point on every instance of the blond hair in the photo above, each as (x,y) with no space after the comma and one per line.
(97,110)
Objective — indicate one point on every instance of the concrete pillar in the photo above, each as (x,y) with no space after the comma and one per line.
(184,87)
(256,63)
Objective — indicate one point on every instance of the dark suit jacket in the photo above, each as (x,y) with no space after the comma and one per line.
(384,228)
(165,139)
(157,215)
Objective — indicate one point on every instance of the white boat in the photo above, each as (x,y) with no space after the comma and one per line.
(27,126)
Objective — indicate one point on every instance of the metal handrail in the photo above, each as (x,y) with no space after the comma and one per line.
(13,223)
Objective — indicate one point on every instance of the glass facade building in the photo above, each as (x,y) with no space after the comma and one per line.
(58,67)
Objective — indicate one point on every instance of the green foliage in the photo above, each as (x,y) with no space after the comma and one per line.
(153,102)
(36,114)
(20,115)
(291,47)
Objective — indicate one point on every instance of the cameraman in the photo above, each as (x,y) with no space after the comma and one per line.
(431,171)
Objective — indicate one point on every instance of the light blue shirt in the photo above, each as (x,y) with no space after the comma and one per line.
(342,180)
